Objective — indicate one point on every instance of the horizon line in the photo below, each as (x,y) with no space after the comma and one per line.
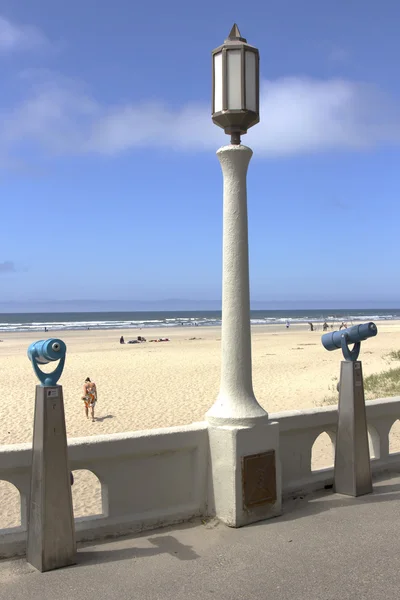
(190,301)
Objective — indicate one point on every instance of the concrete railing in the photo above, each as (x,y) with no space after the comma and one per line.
(148,479)
(300,429)
(158,477)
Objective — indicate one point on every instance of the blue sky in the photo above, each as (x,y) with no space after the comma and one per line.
(109,184)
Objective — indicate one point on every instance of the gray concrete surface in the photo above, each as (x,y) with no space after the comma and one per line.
(324,547)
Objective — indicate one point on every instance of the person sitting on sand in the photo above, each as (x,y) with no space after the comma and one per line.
(325,326)
(121,340)
(89,397)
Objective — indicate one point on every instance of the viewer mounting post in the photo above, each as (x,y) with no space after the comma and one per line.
(352,460)
(244,443)
(51,532)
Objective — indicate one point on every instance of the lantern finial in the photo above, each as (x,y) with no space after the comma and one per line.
(235,35)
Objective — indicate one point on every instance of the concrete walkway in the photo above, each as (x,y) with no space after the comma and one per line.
(325,547)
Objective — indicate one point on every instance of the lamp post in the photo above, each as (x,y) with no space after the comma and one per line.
(244,443)
(235,108)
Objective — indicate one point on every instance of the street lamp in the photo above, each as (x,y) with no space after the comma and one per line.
(235,89)
(244,443)
(235,109)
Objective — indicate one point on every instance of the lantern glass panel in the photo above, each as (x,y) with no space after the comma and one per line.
(234,79)
(251,80)
(218,76)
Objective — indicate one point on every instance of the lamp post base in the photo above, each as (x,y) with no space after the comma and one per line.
(236,410)
(245,475)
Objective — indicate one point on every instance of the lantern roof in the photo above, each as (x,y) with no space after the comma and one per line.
(235,35)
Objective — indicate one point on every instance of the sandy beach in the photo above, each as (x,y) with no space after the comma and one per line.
(151,385)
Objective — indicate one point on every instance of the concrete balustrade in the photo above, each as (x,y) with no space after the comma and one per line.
(159,477)
(148,479)
(300,429)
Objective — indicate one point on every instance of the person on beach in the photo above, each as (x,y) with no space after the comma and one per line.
(325,326)
(343,326)
(89,397)
(287,324)
(121,340)
(311,326)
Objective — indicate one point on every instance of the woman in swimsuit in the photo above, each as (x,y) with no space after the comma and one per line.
(89,397)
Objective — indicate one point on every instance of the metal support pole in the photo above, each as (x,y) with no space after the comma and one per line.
(352,459)
(51,533)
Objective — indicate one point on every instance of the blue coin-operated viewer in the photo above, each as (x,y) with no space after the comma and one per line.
(51,529)
(352,460)
(352,335)
(44,352)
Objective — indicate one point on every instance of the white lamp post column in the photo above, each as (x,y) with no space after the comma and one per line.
(236,402)
(245,481)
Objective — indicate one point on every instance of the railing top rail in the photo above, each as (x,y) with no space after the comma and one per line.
(327,415)
(152,441)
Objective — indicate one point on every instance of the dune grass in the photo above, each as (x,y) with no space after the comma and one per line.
(383,385)
(394,355)
(329,400)
(377,385)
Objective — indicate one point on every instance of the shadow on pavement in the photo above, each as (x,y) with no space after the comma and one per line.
(163,544)
(303,505)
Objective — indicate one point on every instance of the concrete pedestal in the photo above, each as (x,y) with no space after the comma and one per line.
(51,532)
(352,459)
(246,475)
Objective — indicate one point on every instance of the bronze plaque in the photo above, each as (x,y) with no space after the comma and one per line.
(259,479)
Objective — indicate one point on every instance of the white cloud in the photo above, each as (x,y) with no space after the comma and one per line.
(18,37)
(298,115)
(303,115)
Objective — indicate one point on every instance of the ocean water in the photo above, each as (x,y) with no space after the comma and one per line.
(134,320)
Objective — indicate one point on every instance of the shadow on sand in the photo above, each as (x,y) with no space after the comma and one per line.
(101,419)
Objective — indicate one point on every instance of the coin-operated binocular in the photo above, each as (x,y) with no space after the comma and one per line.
(44,352)
(352,335)
(51,530)
(352,460)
